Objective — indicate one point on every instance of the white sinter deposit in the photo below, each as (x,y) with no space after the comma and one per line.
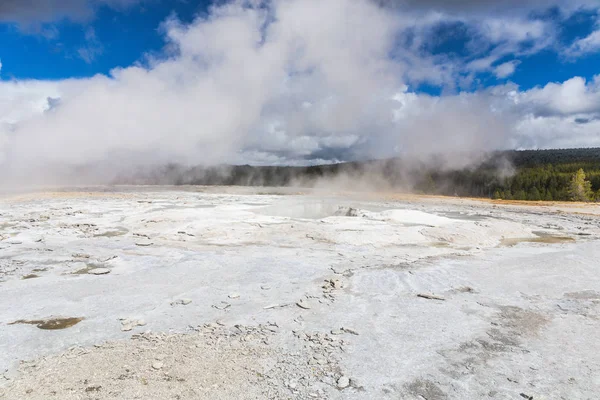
(224,293)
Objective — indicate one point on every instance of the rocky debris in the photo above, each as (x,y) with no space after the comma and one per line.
(430,296)
(128,324)
(80,255)
(10,267)
(350,331)
(216,361)
(304,304)
(185,233)
(183,302)
(221,306)
(99,271)
(343,382)
(157,365)
(346,212)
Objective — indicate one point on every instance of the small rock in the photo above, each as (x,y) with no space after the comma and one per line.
(343,382)
(99,271)
(271,306)
(303,304)
(157,365)
(265,287)
(129,324)
(337,332)
(183,302)
(234,296)
(350,331)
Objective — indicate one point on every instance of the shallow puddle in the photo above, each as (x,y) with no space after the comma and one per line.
(548,239)
(464,216)
(51,323)
(86,270)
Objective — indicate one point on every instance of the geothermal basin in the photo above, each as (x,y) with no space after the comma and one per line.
(241,293)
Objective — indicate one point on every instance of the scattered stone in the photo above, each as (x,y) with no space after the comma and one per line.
(350,331)
(80,255)
(99,271)
(265,287)
(337,332)
(343,382)
(523,395)
(129,324)
(303,304)
(157,365)
(271,306)
(430,296)
(222,306)
(144,244)
(183,302)
(234,296)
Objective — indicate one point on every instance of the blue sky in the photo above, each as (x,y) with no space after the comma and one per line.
(66,48)
(295,81)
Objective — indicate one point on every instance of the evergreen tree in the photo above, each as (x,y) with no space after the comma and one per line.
(579,188)
(534,194)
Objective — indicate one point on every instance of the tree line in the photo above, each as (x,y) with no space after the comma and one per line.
(538,175)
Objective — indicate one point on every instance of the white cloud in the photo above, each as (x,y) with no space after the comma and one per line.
(574,96)
(506,69)
(92,49)
(589,44)
(301,81)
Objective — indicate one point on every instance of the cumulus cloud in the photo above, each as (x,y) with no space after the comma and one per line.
(574,96)
(284,82)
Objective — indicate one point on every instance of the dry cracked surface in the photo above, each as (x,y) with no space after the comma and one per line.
(224,293)
(212,362)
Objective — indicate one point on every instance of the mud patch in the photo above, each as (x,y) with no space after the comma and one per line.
(51,323)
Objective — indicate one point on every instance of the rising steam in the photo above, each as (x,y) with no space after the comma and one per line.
(280,82)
